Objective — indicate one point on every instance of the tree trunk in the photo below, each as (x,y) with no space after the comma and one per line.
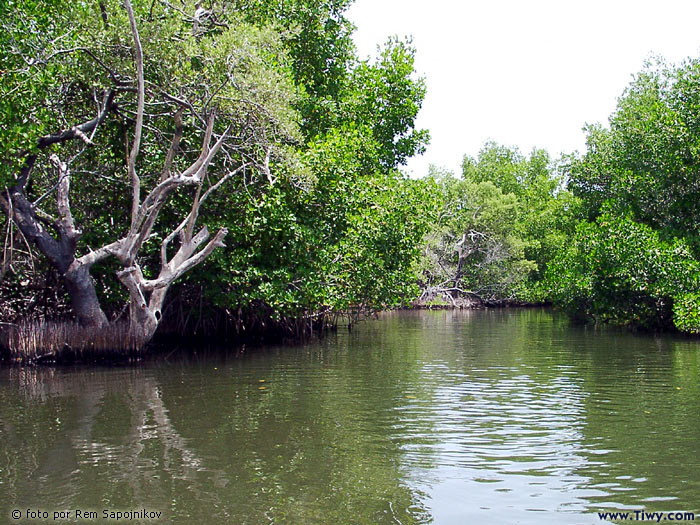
(142,323)
(81,290)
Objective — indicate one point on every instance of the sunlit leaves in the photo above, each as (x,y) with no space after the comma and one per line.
(637,263)
(621,271)
(647,163)
(499,225)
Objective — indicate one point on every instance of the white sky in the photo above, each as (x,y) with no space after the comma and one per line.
(525,73)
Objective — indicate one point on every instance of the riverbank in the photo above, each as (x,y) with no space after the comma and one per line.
(471,303)
(67,343)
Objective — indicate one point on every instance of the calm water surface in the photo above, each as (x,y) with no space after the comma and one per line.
(416,417)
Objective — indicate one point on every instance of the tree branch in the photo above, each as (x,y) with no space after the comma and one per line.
(18,208)
(194,213)
(79,130)
(205,148)
(184,260)
(136,145)
(26,170)
(67,228)
(103,12)
(177,137)
(94,256)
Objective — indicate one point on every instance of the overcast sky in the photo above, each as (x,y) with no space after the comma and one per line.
(526,73)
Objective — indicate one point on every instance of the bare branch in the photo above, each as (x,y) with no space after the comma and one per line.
(136,145)
(188,247)
(181,263)
(46,218)
(82,136)
(266,166)
(216,92)
(62,199)
(187,16)
(148,212)
(16,206)
(177,137)
(221,181)
(85,127)
(102,253)
(194,214)
(26,170)
(205,148)
(179,101)
(103,12)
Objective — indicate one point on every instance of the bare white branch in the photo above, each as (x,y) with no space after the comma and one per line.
(136,145)
(62,198)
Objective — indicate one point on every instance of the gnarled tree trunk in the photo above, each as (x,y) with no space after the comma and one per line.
(81,290)
(146,296)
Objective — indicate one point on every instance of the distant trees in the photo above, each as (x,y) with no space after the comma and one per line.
(611,235)
(498,227)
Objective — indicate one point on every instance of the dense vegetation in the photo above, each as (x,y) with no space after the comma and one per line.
(609,235)
(120,121)
(128,129)
(498,227)
(634,258)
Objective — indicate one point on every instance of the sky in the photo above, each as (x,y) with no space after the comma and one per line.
(524,73)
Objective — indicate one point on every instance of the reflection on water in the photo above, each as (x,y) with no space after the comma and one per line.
(445,417)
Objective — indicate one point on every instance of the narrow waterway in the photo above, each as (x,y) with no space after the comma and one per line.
(498,416)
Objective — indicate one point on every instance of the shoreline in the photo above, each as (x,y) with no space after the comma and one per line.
(91,355)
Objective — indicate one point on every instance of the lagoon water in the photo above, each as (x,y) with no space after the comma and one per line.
(496,416)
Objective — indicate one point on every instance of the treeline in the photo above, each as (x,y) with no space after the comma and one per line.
(609,235)
(233,167)
(498,227)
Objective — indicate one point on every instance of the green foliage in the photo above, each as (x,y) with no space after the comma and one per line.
(686,312)
(347,237)
(386,95)
(319,41)
(636,264)
(647,163)
(331,227)
(618,270)
(499,225)
(29,73)
(546,206)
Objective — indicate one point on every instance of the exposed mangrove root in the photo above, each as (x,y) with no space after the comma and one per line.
(445,296)
(41,341)
(47,341)
(192,316)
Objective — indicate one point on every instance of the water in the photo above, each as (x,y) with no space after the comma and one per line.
(506,416)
